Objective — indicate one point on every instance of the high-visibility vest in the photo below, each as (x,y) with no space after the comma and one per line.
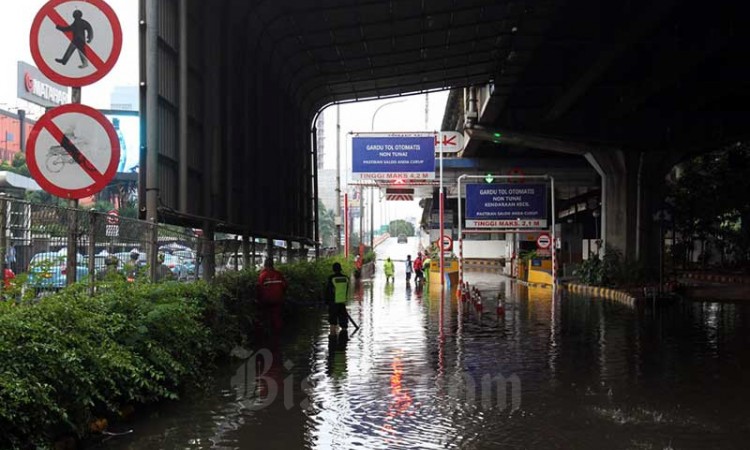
(388,268)
(340,288)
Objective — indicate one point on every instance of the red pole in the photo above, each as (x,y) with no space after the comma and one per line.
(346,225)
(442,236)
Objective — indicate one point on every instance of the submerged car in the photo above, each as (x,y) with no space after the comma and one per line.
(402,239)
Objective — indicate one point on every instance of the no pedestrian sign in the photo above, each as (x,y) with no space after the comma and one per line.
(73,151)
(75,42)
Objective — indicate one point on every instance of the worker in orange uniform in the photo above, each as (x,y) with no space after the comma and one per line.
(358,267)
(270,290)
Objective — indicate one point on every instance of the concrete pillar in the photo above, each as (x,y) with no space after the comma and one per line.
(209,252)
(632,190)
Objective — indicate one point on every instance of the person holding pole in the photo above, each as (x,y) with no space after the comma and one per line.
(409,268)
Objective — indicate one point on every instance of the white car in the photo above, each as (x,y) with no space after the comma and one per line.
(234,262)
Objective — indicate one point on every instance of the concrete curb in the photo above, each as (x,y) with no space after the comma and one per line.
(601,292)
(534,285)
(483,265)
(483,262)
(738,279)
(487,269)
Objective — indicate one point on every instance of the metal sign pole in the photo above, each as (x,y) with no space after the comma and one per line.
(346,225)
(460,235)
(72,263)
(554,236)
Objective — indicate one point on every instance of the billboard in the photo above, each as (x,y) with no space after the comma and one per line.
(506,205)
(34,87)
(391,156)
(128,129)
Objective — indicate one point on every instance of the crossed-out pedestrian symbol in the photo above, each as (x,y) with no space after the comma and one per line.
(80,33)
(86,28)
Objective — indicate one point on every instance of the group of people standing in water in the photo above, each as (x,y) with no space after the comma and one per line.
(420,267)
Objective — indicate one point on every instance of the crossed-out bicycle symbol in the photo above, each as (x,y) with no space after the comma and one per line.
(58,157)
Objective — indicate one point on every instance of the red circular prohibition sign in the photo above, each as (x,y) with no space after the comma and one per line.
(100,179)
(102,66)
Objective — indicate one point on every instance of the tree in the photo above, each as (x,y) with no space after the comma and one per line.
(327,224)
(711,206)
(397,227)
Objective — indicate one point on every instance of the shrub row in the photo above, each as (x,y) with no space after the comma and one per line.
(69,358)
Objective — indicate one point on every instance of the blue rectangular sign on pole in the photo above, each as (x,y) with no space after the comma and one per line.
(393,156)
(506,205)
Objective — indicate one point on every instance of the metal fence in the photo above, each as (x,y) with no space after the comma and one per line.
(56,246)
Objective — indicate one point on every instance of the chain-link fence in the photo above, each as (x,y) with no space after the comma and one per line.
(54,246)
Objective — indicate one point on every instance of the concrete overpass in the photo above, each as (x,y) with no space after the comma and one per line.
(231,88)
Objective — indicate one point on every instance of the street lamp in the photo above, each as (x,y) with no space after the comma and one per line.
(372,122)
(372,203)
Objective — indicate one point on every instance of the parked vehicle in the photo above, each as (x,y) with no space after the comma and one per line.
(187,259)
(178,268)
(48,270)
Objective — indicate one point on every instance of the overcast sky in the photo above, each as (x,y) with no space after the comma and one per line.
(406,115)
(396,114)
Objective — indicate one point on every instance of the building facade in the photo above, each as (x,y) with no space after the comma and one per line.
(13,134)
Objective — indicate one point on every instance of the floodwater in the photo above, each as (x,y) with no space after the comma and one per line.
(555,371)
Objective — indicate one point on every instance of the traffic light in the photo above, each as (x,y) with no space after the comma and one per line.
(489,178)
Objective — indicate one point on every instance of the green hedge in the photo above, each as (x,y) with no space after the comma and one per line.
(70,358)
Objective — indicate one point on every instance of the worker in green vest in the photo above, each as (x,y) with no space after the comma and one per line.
(337,290)
(388,269)
(426,266)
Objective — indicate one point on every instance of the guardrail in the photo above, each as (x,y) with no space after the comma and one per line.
(380,239)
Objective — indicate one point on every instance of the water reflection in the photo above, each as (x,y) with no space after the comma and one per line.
(425,371)
(337,354)
(388,292)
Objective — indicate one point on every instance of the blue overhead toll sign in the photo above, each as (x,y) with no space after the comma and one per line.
(393,156)
(506,205)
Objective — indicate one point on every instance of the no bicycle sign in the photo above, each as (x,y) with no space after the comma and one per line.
(73,151)
(75,42)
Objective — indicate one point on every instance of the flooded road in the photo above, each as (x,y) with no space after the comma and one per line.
(555,371)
